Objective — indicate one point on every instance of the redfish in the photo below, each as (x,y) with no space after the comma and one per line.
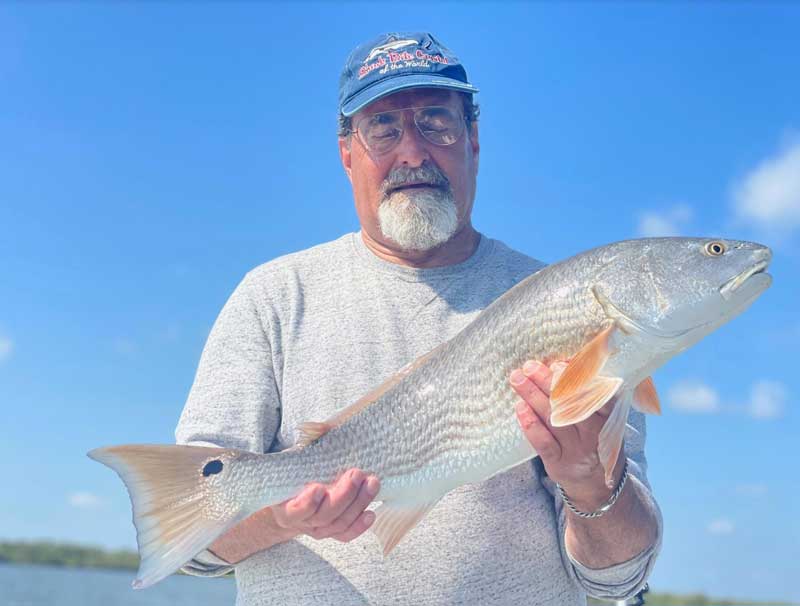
(617,313)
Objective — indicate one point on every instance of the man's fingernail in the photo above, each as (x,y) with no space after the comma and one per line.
(517,377)
(373,486)
(531,367)
(369,517)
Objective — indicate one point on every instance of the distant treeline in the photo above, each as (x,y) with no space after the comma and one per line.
(64,554)
(67,554)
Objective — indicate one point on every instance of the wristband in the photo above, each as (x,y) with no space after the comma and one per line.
(605,506)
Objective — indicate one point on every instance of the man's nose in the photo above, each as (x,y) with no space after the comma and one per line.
(412,150)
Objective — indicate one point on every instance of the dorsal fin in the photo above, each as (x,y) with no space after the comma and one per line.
(584,366)
(311,431)
(645,397)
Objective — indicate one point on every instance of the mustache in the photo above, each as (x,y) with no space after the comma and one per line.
(426,173)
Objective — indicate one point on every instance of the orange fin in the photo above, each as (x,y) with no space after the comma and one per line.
(609,443)
(393,521)
(577,407)
(311,431)
(645,397)
(584,366)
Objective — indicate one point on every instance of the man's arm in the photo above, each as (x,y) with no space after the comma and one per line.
(631,528)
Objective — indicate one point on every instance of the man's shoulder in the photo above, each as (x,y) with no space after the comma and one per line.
(316,259)
(513,261)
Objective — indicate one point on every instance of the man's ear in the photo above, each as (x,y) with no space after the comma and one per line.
(475,143)
(346,156)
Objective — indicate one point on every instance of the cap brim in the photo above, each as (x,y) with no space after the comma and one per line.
(397,83)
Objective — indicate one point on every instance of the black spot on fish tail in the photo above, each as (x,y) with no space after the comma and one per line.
(212,467)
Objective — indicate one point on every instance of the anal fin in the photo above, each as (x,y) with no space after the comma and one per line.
(393,521)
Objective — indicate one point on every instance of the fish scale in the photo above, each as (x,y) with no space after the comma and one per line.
(616,313)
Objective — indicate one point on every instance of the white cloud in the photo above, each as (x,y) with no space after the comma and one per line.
(770,194)
(767,399)
(6,347)
(693,397)
(672,222)
(720,526)
(84,500)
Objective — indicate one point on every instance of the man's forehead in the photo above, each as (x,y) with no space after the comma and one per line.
(412,97)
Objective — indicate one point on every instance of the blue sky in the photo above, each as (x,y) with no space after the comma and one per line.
(152,154)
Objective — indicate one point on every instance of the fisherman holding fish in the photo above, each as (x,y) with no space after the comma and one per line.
(308,334)
(501,437)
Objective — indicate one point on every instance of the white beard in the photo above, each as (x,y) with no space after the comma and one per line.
(418,219)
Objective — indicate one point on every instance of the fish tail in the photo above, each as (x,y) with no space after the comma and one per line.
(178,507)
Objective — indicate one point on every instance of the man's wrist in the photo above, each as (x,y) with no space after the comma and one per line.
(255,534)
(603,508)
(592,493)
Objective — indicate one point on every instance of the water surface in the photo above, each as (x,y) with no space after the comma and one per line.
(29,585)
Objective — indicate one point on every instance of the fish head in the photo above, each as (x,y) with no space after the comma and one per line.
(681,287)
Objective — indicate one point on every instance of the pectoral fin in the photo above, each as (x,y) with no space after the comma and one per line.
(584,366)
(645,397)
(393,521)
(583,404)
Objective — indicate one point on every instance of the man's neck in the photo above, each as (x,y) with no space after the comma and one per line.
(457,249)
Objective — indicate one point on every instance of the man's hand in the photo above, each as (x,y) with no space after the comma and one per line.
(335,511)
(569,453)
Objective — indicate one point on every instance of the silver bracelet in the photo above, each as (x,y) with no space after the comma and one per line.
(605,506)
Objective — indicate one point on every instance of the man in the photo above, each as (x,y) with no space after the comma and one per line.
(307,334)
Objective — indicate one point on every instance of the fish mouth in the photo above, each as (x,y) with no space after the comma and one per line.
(731,286)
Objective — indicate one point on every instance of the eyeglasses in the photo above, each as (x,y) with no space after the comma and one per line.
(381,132)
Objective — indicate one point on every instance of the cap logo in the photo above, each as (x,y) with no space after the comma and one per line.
(389,46)
(389,58)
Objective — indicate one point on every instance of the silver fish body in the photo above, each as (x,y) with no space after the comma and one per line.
(617,312)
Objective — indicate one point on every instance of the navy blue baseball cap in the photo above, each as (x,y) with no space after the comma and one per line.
(396,61)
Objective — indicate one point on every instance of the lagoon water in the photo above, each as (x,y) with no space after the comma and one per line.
(25,585)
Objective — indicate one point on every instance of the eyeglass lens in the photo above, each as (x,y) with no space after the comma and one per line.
(439,125)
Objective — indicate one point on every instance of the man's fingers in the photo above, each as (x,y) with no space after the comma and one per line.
(540,374)
(531,393)
(366,493)
(537,432)
(340,496)
(294,512)
(357,528)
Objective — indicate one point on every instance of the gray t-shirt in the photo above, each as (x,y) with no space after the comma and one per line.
(307,334)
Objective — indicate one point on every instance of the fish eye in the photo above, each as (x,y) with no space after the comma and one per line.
(715,248)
